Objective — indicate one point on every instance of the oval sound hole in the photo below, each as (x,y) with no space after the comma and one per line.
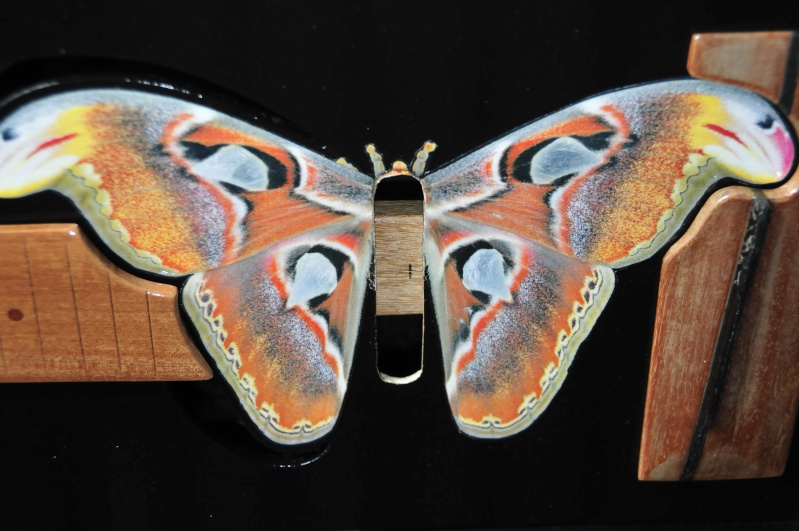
(399,279)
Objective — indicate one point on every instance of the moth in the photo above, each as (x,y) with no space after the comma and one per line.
(522,236)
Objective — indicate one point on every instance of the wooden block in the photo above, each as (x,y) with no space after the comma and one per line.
(760,64)
(399,260)
(692,297)
(752,432)
(71,315)
(756,61)
(749,433)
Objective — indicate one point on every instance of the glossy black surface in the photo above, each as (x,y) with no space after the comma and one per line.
(131,456)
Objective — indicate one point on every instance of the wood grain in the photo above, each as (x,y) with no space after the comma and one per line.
(692,297)
(68,314)
(399,260)
(760,64)
(756,61)
(752,434)
(753,430)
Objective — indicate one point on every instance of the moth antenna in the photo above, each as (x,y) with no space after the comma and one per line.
(421,158)
(377,160)
(345,162)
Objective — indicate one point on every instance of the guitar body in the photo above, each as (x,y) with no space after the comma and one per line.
(153,455)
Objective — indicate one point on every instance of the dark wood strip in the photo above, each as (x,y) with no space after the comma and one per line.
(789,82)
(727,339)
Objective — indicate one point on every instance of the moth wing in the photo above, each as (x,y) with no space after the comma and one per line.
(511,315)
(282,325)
(169,185)
(278,239)
(599,185)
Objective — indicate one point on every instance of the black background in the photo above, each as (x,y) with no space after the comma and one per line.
(128,456)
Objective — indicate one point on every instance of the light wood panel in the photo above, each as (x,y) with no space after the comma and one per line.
(68,314)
